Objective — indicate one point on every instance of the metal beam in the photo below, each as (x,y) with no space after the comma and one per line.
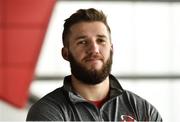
(128,76)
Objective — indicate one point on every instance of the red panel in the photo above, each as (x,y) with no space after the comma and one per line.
(1,62)
(28,11)
(22,32)
(1,34)
(1,12)
(23,46)
(17,83)
(1,46)
(1,83)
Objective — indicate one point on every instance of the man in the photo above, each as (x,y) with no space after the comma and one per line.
(90,93)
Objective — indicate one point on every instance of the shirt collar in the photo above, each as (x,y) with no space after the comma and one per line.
(73,96)
(115,89)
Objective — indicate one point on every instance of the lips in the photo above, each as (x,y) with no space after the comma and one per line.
(94,58)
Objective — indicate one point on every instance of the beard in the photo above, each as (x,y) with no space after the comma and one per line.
(88,76)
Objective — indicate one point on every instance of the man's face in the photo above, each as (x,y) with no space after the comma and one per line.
(90,52)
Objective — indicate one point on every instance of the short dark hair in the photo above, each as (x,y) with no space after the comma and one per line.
(83,15)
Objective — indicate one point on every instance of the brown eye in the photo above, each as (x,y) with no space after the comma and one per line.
(103,41)
(82,42)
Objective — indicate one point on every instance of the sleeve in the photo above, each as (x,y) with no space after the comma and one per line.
(43,111)
(143,110)
(152,113)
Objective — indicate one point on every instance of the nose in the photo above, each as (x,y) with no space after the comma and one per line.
(93,48)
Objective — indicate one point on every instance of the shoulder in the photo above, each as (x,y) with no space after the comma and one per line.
(49,107)
(136,101)
(131,96)
(144,109)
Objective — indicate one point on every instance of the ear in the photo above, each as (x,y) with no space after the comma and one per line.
(112,47)
(65,53)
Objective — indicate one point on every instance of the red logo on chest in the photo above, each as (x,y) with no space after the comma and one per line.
(127,118)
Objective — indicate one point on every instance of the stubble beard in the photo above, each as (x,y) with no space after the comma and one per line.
(90,76)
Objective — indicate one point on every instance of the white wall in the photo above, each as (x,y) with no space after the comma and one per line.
(11,113)
(145,37)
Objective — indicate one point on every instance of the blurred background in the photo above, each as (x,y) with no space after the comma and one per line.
(146,40)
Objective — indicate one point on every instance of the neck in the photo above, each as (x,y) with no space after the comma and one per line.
(91,92)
